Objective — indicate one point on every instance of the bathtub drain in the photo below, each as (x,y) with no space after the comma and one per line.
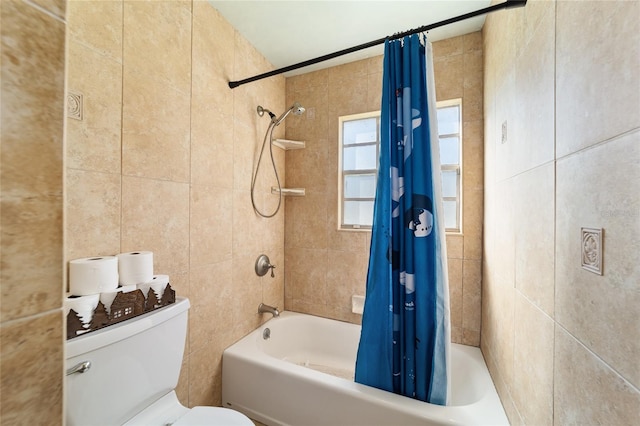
(266,334)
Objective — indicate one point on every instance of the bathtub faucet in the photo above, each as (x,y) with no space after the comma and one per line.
(264,309)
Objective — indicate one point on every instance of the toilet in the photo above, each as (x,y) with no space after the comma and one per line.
(126,374)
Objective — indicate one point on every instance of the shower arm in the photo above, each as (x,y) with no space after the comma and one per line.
(509,4)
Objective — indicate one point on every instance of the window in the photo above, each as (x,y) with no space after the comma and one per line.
(450,136)
(359,151)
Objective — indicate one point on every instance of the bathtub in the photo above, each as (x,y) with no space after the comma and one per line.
(298,370)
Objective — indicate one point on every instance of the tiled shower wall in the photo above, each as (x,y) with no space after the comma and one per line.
(562,343)
(32,94)
(162,161)
(324,266)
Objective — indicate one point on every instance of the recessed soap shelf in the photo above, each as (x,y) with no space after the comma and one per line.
(296,192)
(287,144)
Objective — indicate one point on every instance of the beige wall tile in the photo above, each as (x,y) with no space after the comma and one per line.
(449,76)
(155,140)
(247,144)
(586,390)
(247,234)
(93,211)
(534,215)
(533,363)
(32,126)
(455,292)
(97,25)
(306,277)
(31,386)
(211,225)
(93,143)
(455,246)
(157,42)
(155,217)
(472,42)
(246,294)
(471,294)
(211,302)
(596,81)
(31,256)
(205,370)
(212,67)
(31,101)
(472,155)
(449,47)
(598,194)
(211,148)
(346,277)
(534,124)
(308,217)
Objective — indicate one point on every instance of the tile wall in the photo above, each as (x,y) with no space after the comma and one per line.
(324,266)
(562,343)
(162,161)
(32,91)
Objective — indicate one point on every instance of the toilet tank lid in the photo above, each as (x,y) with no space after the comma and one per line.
(108,335)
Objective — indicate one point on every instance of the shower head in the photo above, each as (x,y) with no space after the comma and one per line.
(261,112)
(296,108)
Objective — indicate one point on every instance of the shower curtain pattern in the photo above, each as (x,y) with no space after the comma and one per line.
(405,328)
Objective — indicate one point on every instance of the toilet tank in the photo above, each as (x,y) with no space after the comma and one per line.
(133,364)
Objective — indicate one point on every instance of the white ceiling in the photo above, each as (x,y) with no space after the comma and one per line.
(291,31)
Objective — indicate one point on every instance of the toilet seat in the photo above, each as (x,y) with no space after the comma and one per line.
(199,416)
(168,411)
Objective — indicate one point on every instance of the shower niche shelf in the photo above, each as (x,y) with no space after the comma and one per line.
(287,144)
(295,192)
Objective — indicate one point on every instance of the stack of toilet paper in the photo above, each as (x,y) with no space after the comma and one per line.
(100,279)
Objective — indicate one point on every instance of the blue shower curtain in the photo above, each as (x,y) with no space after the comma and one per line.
(405,327)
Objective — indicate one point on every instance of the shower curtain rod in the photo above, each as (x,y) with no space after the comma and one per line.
(506,5)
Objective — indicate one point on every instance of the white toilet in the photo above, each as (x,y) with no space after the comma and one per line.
(125,374)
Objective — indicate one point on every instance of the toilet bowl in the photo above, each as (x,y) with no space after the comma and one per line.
(126,374)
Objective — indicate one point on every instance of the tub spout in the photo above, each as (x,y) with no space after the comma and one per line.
(266,309)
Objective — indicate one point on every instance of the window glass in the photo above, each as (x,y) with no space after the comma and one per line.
(360,186)
(358,213)
(450,214)
(450,183)
(359,131)
(358,157)
(450,150)
(449,120)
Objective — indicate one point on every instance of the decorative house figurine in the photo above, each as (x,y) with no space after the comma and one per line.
(124,306)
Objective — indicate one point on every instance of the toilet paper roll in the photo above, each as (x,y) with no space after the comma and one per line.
(93,275)
(107,298)
(144,287)
(158,284)
(127,288)
(82,305)
(135,267)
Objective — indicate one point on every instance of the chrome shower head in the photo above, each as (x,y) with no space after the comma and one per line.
(296,108)
(260,110)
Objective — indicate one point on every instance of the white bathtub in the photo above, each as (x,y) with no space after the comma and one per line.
(302,375)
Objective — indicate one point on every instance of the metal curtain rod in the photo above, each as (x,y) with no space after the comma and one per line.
(506,5)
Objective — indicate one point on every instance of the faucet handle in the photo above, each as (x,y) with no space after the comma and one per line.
(272,267)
